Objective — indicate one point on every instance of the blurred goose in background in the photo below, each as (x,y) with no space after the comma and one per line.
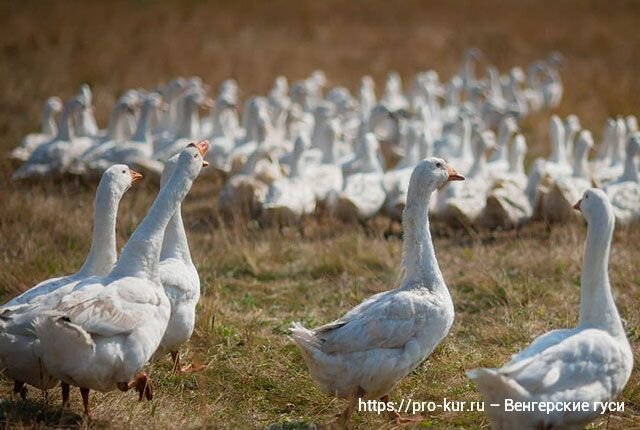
(590,363)
(90,160)
(188,123)
(243,195)
(139,150)
(508,204)
(86,125)
(326,178)
(363,194)
(17,340)
(55,156)
(624,193)
(506,130)
(556,203)
(466,204)
(48,130)
(369,350)
(290,197)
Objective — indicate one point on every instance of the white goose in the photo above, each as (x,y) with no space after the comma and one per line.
(17,340)
(180,280)
(48,130)
(556,203)
(105,330)
(243,194)
(365,353)
(624,193)
(363,194)
(290,197)
(590,363)
(508,204)
(326,178)
(55,156)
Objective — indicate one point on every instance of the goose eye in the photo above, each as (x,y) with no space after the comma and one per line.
(195,156)
(124,171)
(439,165)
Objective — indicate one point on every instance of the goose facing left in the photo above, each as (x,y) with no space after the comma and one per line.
(103,332)
(16,316)
(365,353)
(589,363)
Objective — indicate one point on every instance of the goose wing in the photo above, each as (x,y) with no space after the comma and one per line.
(387,320)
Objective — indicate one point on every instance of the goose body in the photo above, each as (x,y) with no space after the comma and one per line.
(624,193)
(105,330)
(590,363)
(17,340)
(55,156)
(365,353)
(244,194)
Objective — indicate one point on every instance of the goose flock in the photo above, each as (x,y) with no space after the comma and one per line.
(298,150)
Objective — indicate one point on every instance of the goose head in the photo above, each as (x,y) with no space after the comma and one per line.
(53,104)
(572,124)
(632,124)
(630,172)
(555,59)
(595,207)
(191,159)
(86,94)
(120,177)
(431,174)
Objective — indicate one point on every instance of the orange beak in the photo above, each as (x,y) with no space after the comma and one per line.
(453,175)
(577,205)
(135,176)
(203,147)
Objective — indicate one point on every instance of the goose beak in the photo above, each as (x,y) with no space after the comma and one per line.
(453,175)
(208,103)
(205,163)
(577,205)
(203,147)
(135,176)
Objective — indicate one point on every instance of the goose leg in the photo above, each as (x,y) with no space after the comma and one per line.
(190,368)
(394,416)
(341,421)
(142,384)
(84,392)
(65,394)
(20,388)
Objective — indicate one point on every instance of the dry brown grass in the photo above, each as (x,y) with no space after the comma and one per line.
(507,287)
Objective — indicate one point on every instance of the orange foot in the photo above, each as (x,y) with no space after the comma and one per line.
(142,384)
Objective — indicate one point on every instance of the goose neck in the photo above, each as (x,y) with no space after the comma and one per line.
(141,254)
(597,308)
(65,131)
(48,122)
(143,131)
(102,254)
(418,255)
(175,243)
(630,172)
(114,120)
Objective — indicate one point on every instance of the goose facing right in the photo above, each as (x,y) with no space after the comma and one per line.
(590,363)
(366,352)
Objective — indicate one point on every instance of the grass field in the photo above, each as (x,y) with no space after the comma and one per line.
(507,287)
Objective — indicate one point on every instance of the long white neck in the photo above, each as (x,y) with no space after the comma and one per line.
(568,144)
(581,163)
(114,120)
(597,308)
(48,121)
(466,152)
(630,172)
(189,126)
(143,131)
(175,244)
(418,255)
(557,144)
(503,139)
(102,255)
(64,131)
(141,254)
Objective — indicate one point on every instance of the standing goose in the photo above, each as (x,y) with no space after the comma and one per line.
(48,130)
(625,191)
(179,278)
(17,340)
(365,353)
(590,363)
(103,332)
